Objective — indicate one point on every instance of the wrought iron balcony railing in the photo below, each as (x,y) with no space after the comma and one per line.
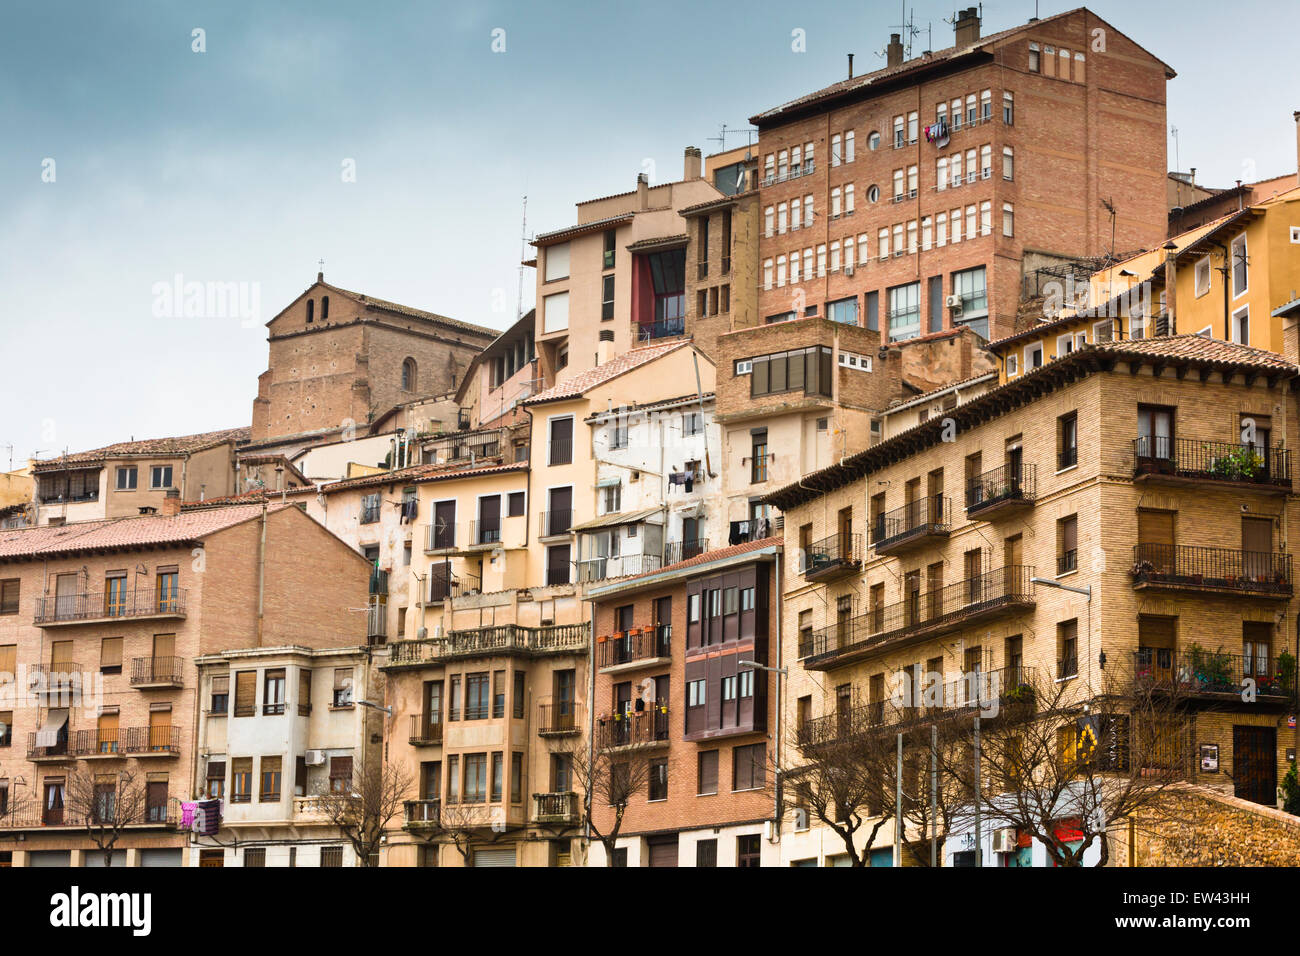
(649,643)
(98,605)
(555,522)
(1195,671)
(559,719)
(157,671)
(1186,567)
(675,551)
(426,730)
(1192,459)
(920,614)
(1002,487)
(636,728)
(913,522)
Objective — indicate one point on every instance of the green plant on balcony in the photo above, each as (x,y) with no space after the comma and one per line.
(1291,791)
(1240,464)
(1212,670)
(1286,672)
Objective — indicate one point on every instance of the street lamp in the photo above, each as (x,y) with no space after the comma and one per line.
(754,665)
(371,703)
(1048,582)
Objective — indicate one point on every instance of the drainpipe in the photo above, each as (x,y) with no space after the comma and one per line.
(587,798)
(261,575)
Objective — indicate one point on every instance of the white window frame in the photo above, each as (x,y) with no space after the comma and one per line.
(1232,253)
(1243,312)
(1202,263)
(1036,347)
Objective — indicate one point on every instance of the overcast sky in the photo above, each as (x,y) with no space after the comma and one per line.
(229,165)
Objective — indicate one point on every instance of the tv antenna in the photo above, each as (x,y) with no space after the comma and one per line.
(907,30)
(724,132)
(1110,208)
(523,253)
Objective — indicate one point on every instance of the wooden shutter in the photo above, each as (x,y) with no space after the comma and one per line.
(164,645)
(8,659)
(110,653)
(1156,527)
(245,693)
(304,691)
(60,654)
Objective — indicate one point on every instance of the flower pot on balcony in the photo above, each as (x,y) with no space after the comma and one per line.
(602,639)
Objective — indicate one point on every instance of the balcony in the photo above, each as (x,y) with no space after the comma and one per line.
(458,585)
(55,749)
(143,742)
(617,566)
(97,606)
(1004,592)
(440,537)
(162,815)
(377,622)
(91,744)
(500,639)
(1004,692)
(1001,491)
(1213,675)
(423,814)
(561,808)
(484,534)
(1186,461)
(56,682)
(554,524)
(640,647)
(151,672)
(1228,571)
(676,551)
(634,730)
(832,558)
(426,731)
(559,720)
(378,582)
(914,525)
(661,329)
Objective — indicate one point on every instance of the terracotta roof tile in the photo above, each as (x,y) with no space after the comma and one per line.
(585,381)
(134,532)
(156,447)
(1200,348)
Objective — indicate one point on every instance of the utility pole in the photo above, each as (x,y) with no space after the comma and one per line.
(898,806)
(979,849)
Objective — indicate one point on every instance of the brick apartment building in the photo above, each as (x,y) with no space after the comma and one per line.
(908,199)
(100,624)
(1101,471)
(670,689)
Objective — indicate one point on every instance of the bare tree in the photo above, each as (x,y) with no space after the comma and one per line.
(106,804)
(363,811)
(845,775)
(1097,761)
(463,825)
(606,779)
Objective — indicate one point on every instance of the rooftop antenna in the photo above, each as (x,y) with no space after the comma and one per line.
(523,252)
(1110,256)
(908,29)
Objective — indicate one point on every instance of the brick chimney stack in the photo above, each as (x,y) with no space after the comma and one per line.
(967,26)
(894,52)
(692,164)
(171,502)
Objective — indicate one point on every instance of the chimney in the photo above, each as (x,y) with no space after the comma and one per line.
(642,192)
(967,26)
(1296,116)
(171,502)
(692,164)
(894,52)
(850,66)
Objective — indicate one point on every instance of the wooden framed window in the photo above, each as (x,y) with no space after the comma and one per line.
(517,777)
(273,692)
(271,779)
(304,692)
(343,687)
(245,693)
(241,780)
(498,770)
(340,774)
(216,778)
(110,655)
(220,700)
(9,589)
(748,767)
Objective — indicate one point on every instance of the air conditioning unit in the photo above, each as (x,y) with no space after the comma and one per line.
(315,758)
(848,269)
(1004,840)
(953,302)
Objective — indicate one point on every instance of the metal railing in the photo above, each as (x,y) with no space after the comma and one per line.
(1067,561)
(157,670)
(675,551)
(1187,566)
(93,605)
(88,743)
(1199,671)
(922,517)
(560,451)
(555,522)
(378,582)
(1067,667)
(377,620)
(425,730)
(485,532)
(639,644)
(423,812)
(617,566)
(1212,460)
(839,550)
(661,328)
(562,718)
(440,537)
(635,728)
(441,587)
(53,748)
(1005,587)
(140,740)
(1008,483)
(500,638)
(1067,457)
(555,807)
(463,446)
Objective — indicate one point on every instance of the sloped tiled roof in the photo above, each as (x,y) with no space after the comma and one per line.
(400,309)
(585,381)
(150,447)
(914,65)
(1199,348)
(135,532)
